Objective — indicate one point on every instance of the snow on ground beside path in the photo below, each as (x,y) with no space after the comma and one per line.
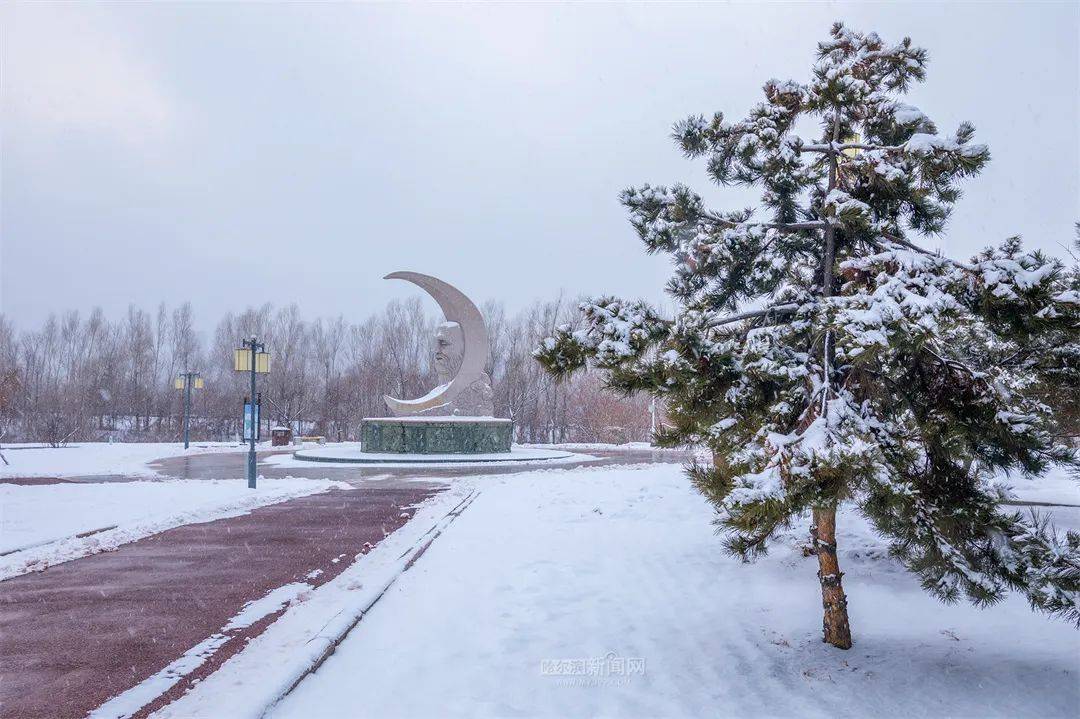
(97,458)
(605,591)
(1057,486)
(41,521)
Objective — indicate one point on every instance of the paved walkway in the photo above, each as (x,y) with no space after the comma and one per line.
(80,632)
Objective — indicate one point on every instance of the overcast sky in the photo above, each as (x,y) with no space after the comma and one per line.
(237,154)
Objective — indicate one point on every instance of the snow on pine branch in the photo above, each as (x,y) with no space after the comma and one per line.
(613,333)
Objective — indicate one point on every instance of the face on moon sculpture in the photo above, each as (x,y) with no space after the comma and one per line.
(468,392)
(448,349)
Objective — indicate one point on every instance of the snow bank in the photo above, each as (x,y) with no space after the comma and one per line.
(39,524)
(97,458)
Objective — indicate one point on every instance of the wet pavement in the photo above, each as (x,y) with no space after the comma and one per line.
(35,481)
(225,466)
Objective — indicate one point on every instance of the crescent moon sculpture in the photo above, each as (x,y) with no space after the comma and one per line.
(462,395)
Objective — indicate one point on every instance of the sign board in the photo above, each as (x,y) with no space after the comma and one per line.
(249,424)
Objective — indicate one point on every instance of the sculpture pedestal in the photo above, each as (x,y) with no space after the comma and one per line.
(435,435)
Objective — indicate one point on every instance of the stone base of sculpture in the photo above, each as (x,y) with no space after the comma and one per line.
(435,435)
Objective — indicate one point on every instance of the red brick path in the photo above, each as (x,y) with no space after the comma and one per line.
(81,632)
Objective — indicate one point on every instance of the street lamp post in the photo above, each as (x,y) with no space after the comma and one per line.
(185,381)
(252,358)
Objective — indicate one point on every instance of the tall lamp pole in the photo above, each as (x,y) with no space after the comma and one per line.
(252,358)
(185,381)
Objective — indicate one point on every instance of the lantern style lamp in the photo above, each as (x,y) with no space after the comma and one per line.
(186,381)
(252,357)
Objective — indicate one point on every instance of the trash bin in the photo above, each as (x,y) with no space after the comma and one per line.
(280,436)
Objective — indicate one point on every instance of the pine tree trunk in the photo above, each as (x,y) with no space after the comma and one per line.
(837,630)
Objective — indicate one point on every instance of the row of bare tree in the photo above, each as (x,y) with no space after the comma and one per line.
(92,378)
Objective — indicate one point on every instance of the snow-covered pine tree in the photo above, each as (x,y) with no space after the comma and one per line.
(1061,388)
(825,358)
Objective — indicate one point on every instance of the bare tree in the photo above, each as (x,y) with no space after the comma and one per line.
(84,379)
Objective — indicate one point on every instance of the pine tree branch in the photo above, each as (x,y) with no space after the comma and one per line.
(955,364)
(775,311)
(838,147)
(828,226)
(911,246)
(793,226)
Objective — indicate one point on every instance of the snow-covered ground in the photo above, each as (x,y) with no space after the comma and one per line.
(39,523)
(97,458)
(604,591)
(1057,486)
